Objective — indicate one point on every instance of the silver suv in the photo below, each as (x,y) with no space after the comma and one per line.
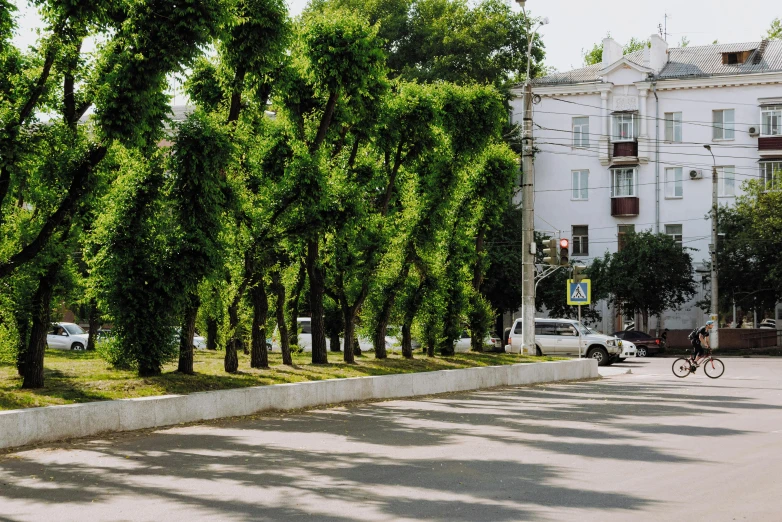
(563,337)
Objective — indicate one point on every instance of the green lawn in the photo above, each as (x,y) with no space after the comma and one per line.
(83,376)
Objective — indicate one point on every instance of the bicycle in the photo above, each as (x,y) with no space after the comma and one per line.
(712,367)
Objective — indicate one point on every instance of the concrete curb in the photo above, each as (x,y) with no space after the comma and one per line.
(52,423)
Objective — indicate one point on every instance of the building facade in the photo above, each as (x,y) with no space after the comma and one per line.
(620,146)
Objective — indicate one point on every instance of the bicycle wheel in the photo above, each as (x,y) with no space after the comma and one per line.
(713,368)
(681,367)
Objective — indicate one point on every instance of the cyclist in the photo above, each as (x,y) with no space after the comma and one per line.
(697,344)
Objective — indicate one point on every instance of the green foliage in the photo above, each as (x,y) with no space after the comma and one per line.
(649,275)
(113,352)
(775,30)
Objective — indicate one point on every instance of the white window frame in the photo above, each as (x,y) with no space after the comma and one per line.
(771,120)
(673,127)
(580,240)
(579,185)
(724,129)
(581,132)
(624,119)
(674,179)
(722,174)
(633,186)
(677,237)
(767,171)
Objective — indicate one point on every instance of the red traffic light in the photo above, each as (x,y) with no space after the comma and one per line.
(564,243)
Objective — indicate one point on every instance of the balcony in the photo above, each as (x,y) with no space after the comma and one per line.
(623,207)
(770,146)
(625,152)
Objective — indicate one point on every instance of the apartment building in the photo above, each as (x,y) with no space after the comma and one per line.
(621,146)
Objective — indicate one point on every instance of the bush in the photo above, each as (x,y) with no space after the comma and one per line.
(110,350)
(9,341)
(296,349)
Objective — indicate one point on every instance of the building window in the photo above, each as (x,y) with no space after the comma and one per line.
(625,126)
(771,174)
(581,132)
(580,240)
(580,184)
(771,121)
(675,231)
(623,183)
(724,124)
(674,186)
(621,235)
(726,178)
(673,127)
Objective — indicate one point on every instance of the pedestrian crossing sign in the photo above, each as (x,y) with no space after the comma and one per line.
(579,293)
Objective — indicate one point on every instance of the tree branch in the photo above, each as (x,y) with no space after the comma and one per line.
(79,185)
(325,122)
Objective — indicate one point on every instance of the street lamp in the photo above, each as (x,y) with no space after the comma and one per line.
(714,336)
(527,200)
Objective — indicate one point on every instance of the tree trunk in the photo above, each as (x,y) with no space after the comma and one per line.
(317,290)
(23,327)
(407,342)
(499,327)
(259,358)
(356,346)
(430,347)
(231,362)
(293,303)
(279,290)
(646,321)
(211,333)
(334,341)
(379,340)
(187,333)
(42,299)
(94,320)
(348,354)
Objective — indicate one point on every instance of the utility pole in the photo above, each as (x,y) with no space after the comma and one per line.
(527,201)
(714,335)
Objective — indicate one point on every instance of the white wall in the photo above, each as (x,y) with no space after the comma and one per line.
(554,208)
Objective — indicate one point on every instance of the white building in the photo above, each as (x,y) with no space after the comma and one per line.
(621,145)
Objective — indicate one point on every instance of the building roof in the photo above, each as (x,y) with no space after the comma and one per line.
(688,62)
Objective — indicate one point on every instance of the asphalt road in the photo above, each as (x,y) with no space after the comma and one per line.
(643,446)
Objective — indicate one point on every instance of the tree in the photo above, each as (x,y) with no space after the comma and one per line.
(449,40)
(649,275)
(502,284)
(775,30)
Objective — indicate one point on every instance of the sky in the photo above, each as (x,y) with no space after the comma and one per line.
(576,25)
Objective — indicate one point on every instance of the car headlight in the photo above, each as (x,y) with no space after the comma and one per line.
(610,342)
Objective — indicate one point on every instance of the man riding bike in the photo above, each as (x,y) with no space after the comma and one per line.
(701,338)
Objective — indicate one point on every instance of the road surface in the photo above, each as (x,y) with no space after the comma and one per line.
(640,446)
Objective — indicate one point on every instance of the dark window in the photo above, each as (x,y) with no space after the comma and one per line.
(566,329)
(306,327)
(517,330)
(581,240)
(545,328)
(622,232)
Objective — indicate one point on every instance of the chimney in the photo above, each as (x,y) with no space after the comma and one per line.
(658,54)
(612,52)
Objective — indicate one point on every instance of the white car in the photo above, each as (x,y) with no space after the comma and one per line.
(67,336)
(305,338)
(628,350)
(464,343)
(566,337)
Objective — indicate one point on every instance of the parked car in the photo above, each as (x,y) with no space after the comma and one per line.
(305,338)
(199,342)
(768,323)
(628,348)
(464,343)
(67,336)
(645,344)
(567,337)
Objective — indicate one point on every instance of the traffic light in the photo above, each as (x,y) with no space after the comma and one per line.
(550,254)
(578,273)
(564,252)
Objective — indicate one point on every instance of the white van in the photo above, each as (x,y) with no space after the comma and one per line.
(305,338)
(566,337)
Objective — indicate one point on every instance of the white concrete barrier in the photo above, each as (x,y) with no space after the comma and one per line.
(51,423)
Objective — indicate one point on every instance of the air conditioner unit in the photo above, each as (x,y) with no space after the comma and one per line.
(753,131)
(696,174)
